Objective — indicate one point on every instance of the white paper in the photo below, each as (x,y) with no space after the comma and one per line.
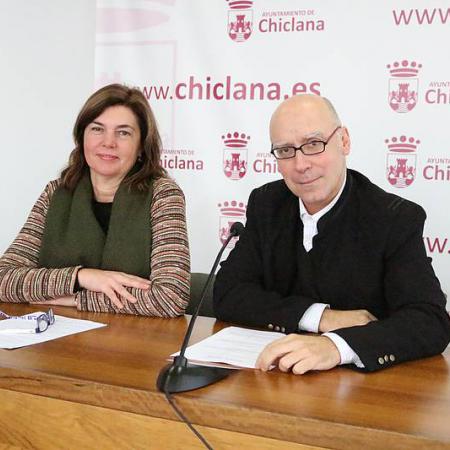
(63,326)
(238,347)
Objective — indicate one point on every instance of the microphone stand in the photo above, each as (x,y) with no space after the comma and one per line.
(181,376)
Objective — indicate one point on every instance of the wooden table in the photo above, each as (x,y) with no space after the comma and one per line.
(97,390)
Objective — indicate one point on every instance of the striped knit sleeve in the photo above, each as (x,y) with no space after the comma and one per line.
(20,279)
(168,293)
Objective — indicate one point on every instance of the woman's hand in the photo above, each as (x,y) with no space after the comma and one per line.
(111,284)
(69,300)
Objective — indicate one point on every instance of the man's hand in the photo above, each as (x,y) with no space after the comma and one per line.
(333,319)
(300,354)
(111,284)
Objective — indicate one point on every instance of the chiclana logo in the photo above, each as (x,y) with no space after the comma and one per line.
(240,20)
(401,160)
(180,159)
(230,212)
(235,155)
(403,85)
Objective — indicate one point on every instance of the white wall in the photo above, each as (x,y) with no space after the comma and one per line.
(47,71)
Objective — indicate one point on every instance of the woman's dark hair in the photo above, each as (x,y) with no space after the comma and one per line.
(149,165)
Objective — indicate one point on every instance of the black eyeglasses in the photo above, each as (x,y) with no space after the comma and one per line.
(309,148)
(43,321)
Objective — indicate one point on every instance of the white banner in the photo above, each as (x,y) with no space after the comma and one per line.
(214,71)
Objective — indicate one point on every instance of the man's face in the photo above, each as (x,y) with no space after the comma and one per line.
(316,179)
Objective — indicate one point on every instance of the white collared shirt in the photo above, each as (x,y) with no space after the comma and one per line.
(310,221)
(311,318)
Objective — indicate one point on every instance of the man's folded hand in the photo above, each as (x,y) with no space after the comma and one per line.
(333,319)
(299,354)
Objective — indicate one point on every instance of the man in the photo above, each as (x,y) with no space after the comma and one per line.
(326,251)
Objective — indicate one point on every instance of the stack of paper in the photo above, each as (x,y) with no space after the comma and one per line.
(232,347)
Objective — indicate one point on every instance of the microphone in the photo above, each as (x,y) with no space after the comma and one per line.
(181,376)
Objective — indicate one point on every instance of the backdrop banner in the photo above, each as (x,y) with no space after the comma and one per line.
(214,71)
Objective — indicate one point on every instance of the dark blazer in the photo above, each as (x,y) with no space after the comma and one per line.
(368,254)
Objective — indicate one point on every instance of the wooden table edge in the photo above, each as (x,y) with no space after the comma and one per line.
(226,416)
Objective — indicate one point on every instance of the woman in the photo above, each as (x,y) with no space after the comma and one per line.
(110,234)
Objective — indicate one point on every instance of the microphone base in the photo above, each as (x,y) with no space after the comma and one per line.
(187,377)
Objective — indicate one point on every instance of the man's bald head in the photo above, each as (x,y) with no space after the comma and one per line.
(304,105)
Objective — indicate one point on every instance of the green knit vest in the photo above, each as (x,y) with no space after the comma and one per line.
(73,236)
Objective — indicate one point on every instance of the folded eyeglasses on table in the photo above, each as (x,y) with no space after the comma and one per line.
(43,321)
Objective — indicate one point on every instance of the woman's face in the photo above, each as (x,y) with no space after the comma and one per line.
(112,143)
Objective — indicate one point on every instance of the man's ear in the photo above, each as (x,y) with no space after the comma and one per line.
(345,141)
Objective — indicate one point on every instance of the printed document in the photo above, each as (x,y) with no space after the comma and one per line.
(14,334)
(232,347)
